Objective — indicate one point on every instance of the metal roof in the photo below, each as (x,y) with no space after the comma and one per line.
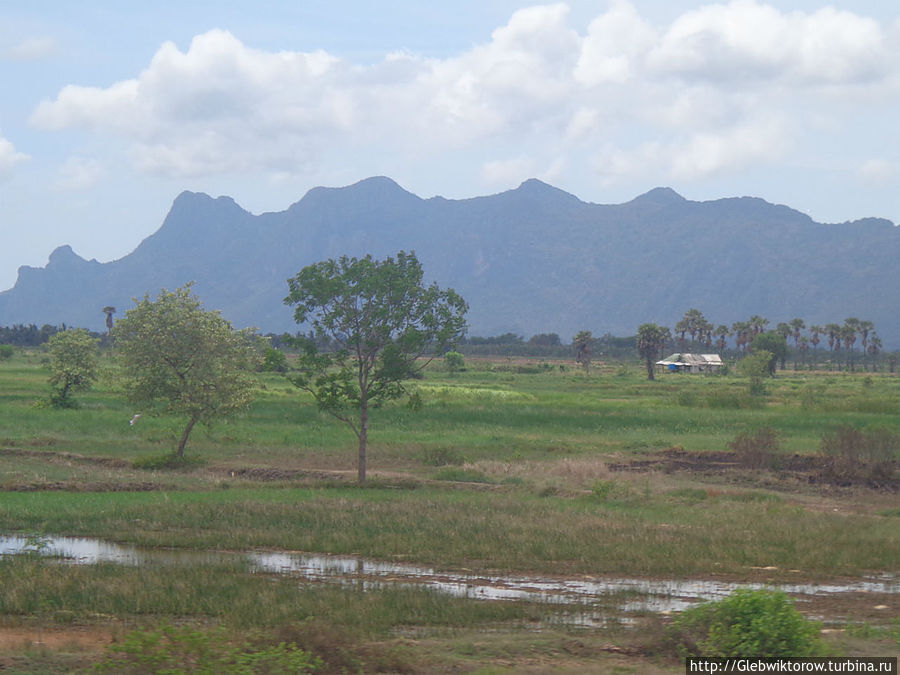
(691,360)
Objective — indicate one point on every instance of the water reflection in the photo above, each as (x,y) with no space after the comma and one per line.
(627,594)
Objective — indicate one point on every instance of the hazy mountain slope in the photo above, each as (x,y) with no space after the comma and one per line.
(533,259)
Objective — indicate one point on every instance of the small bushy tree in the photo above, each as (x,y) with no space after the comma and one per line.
(748,623)
(274,361)
(454,361)
(756,366)
(73,364)
(775,344)
(173,350)
(6,352)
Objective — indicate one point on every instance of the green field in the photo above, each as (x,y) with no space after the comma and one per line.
(510,467)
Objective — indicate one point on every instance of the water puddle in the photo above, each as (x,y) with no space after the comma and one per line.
(628,595)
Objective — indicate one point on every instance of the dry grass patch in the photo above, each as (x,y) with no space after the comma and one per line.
(572,473)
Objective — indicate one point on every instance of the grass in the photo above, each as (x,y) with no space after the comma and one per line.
(627,532)
(499,471)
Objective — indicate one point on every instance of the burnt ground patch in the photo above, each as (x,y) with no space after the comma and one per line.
(796,468)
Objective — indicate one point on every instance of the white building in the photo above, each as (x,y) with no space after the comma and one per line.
(690,363)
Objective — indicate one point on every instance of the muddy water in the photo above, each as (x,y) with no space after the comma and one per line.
(618,593)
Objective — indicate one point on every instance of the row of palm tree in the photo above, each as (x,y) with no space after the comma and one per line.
(839,336)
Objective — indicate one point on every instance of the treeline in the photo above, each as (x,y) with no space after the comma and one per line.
(833,345)
(21,335)
(801,342)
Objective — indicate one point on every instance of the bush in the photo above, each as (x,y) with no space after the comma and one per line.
(6,352)
(442,457)
(748,623)
(856,454)
(184,649)
(454,361)
(274,361)
(756,450)
(169,460)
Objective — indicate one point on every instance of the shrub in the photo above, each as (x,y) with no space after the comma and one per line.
(462,475)
(6,352)
(274,361)
(855,454)
(757,449)
(454,361)
(442,457)
(183,649)
(169,460)
(73,364)
(748,623)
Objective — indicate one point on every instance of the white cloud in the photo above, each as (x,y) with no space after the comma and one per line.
(748,40)
(9,157)
(878,171)
(755,142)
(79,173)
(29,49)
(507,172)
(615,46)
(708,93)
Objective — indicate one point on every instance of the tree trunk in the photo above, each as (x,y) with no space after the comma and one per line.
(650,369)
(363,438)
(184,437)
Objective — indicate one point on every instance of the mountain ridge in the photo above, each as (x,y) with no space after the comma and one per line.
(528,260)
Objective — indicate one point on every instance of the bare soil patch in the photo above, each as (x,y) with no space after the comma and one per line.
(796,469)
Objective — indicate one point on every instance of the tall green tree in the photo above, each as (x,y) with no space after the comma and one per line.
(73,364)
(773,343)
(651,341)
(785,331)
(382,318)
(190,359)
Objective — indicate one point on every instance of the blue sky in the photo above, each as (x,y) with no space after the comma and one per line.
(110,109)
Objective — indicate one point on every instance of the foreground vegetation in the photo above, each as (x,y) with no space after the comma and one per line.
(507,466)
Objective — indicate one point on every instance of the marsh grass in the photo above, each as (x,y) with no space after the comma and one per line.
(226,593)
(633,529)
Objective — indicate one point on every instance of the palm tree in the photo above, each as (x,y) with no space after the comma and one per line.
(681,328)
(705,332)
(848,336)
(722,332)
(651,340)
(814,337)
(109,310)
(797,325)
(864,328)
(582,344)
(802,348)
(873,348)
(741,331)
(833,330)
(758,324)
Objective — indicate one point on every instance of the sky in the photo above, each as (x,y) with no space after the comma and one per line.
(110,109)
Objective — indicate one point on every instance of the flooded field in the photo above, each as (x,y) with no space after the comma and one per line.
(573,595)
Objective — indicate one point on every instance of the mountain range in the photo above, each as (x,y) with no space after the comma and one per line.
(530,260)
